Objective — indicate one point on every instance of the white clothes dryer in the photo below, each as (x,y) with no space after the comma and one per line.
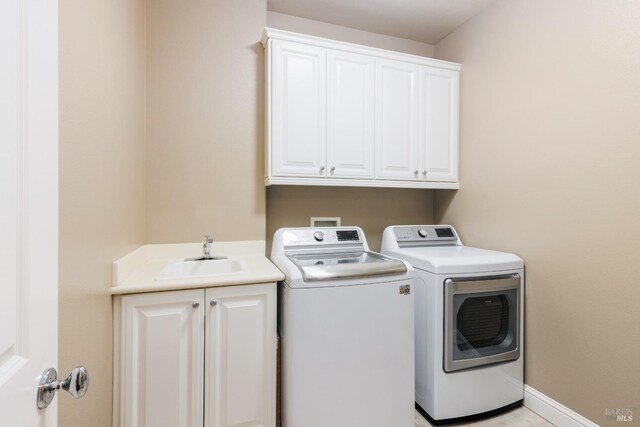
(468,322)
(345,319)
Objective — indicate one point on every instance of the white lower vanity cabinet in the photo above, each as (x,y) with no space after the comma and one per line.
(197,357)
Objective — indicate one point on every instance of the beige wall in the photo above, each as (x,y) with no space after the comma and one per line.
(370,208)
(345,34)
(373,209)
(205,120)
(102,51)
(550,95)
(189,78)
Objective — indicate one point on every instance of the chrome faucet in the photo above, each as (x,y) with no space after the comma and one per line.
(206,248)
(206,251)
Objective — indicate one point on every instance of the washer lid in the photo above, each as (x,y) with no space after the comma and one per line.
(345,265)
(457,259)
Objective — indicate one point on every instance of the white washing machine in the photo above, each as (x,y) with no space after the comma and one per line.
(345,319)
(468,322)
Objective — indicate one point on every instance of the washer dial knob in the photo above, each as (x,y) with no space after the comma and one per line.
(319,236)
(422,232)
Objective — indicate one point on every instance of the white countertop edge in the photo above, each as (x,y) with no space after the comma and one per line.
(136,271)
(156,286)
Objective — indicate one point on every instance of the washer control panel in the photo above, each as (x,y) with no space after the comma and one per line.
(347,235)
(431,234)
(322,236)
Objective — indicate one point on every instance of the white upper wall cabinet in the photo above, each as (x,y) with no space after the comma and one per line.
(298,108)
(350,115)
(438,124)
(396,120)
(340,114)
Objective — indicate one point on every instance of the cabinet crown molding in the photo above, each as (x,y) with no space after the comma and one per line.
(273,33)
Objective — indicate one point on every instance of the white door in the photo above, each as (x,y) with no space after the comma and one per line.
(396,120)
(438,124)
(298,115)
(28,207)
(162,340)
(350,115)
(240,364)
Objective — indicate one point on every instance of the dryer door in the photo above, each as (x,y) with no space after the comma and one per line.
(481,321)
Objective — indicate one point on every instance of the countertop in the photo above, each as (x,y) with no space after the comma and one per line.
(137,271)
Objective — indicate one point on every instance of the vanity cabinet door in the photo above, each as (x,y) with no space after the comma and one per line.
(438,124)
(162,359)
(298,110)
(240,362)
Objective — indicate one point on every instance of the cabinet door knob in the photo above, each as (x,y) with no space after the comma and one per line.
(213,303)
(333,168)
(321,168)
(195,304)
(415,172)
(424,173)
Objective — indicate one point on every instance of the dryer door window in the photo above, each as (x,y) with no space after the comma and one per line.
(481,321)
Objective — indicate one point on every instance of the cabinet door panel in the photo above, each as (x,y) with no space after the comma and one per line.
(299,110)
(396,120)
(163,359)
(439,124)
(350,115)
(240,365)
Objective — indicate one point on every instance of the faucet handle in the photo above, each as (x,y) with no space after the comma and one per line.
(208,238)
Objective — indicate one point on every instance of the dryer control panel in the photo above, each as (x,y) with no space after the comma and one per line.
(425,235)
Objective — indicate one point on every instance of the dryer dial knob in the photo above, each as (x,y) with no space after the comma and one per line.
(422,232)
(319,236)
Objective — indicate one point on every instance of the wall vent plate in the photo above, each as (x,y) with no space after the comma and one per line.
(325,221)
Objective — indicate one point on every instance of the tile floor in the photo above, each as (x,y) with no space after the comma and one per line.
(516,417)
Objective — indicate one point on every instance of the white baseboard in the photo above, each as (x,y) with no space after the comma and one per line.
(554,412)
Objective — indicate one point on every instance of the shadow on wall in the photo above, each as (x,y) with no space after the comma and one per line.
(258,50)
(372,209)
(442,199)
